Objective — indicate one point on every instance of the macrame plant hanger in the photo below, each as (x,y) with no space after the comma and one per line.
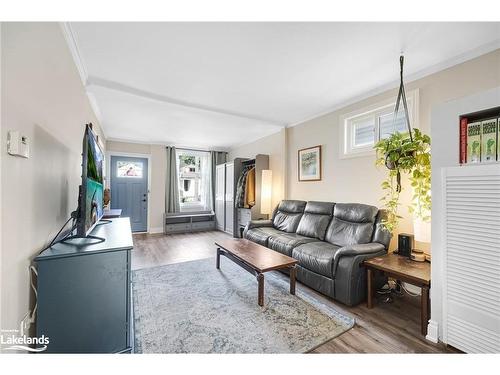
(401,96)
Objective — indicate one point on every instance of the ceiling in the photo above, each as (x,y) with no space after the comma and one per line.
(218,85)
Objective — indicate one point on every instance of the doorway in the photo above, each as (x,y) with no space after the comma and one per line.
(129,189)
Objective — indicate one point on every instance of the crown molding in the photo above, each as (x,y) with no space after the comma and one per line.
(70,38)
(69,35)
(251,140)
(459,59)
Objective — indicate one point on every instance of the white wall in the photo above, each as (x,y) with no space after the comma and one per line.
(158,156)
(43,97)
(274,146)
(444,132)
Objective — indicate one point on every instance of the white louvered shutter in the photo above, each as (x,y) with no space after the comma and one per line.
(472,258)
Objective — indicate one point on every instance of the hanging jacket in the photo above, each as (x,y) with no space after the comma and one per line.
(250,189)
(240,188)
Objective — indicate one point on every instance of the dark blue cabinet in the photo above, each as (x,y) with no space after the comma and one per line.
(84,294)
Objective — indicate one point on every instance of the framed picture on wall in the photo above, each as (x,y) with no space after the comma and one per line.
(310,164)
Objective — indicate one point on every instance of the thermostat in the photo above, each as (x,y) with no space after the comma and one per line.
(18,145)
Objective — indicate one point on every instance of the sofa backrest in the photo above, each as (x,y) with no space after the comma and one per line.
(381,234)
(287,215)
(315,220)
(352,223)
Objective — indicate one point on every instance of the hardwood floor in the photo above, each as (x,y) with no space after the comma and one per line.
(387,328)
(151,250)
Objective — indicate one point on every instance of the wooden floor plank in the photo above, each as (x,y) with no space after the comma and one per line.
(387,328)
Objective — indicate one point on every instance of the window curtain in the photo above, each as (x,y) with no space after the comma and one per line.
(206,182)
(172,203)
(216,158)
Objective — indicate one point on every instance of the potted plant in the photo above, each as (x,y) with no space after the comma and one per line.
(409,154)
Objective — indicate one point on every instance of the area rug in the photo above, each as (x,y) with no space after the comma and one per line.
(192,307)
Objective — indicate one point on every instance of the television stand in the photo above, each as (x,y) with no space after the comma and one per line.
(84,293)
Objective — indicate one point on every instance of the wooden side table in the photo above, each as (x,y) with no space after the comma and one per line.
(406,270)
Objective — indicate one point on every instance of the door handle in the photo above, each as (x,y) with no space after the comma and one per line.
(144,200)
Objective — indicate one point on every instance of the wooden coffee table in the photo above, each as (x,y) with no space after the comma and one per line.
(257,260)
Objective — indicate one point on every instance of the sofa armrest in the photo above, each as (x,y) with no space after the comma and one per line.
(350,278)
(256,224)
(357,249)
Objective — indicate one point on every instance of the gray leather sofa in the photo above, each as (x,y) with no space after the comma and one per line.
(330,241)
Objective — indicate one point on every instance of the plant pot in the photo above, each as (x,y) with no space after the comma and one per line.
(391,165)
(394,164)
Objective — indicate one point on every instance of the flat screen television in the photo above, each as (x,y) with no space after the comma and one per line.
(90,204)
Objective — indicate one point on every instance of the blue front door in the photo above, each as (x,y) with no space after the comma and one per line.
(129,189)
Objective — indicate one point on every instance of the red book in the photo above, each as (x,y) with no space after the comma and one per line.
(463,141)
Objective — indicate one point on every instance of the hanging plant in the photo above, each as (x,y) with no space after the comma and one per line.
(400,154)
(405,153)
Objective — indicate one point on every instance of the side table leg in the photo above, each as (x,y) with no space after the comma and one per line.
(293,276)
(424,314)
(369,278)
(260,279)
(217,262)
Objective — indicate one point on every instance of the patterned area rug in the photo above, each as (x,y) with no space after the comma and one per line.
(192,307)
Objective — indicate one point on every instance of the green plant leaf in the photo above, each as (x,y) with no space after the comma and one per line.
(414,158)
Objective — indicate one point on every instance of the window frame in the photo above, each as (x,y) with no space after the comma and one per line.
(347,123)
(189,206)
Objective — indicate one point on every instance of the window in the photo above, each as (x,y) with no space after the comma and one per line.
(363,128)
(194,180)
(363,132)
(129,169)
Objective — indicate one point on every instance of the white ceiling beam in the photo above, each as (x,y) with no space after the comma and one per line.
(116,86)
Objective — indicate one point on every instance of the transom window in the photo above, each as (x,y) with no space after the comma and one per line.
(365,127)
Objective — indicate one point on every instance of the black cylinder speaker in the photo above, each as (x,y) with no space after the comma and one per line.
(405,244)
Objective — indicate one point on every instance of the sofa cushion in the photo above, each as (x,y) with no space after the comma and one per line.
(288,215)
(317,216)
(352,223)
(317,257)
(285,243)
(292,206)
(260,235)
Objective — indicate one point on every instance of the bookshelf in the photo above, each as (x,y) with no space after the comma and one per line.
(479,137)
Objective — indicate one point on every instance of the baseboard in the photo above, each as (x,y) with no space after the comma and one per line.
(432,331)
(156,230)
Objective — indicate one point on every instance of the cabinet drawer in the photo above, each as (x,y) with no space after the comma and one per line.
(204,225)
(170,228)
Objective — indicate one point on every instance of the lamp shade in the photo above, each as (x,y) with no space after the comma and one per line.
(266,192)
(422,230)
